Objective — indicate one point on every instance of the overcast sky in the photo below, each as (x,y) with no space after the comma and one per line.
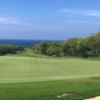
(48,19)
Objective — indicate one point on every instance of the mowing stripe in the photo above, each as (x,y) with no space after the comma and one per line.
(25,69)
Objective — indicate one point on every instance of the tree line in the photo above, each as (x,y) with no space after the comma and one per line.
(5,49)
(77,47)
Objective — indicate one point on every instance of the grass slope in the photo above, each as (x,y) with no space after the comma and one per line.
(23,77)
(25,69)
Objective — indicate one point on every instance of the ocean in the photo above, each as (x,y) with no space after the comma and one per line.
(24,43)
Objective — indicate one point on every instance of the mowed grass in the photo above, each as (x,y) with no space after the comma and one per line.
(26,69)
(28,78)
(50,90)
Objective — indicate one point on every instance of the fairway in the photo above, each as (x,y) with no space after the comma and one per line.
(25,69)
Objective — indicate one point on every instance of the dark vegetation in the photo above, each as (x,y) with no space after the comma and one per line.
(6,49)
(73,47)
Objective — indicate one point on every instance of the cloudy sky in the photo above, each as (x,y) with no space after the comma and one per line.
(48,19)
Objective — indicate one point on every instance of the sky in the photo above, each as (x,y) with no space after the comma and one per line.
(48,19)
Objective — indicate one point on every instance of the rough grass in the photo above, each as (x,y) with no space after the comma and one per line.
(26,53)
(49,90)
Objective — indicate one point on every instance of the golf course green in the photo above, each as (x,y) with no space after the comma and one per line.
(25,69)
(36,78)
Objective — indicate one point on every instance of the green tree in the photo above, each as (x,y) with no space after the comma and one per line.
(43,47)
(96,43)
(83,47)
(30,45)
(53,49)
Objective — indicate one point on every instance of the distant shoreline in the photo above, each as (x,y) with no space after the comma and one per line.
(24,43)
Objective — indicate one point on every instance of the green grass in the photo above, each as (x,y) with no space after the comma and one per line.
(94,58)
(26,53)
(49,90)
(32,77)
(25,69)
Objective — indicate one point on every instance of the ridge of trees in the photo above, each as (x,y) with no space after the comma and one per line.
(77,47)
(5,49)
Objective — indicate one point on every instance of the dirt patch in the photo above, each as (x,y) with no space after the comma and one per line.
(95,98)
(44,56)
(29,53)
(18,52)
(58,96)
(64,95)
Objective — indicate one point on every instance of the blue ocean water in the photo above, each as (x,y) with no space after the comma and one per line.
(24,43)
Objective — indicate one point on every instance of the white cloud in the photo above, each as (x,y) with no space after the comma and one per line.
(82,22)
(16,24)
(95,13)
(8,21)
(75,21)
(65,10)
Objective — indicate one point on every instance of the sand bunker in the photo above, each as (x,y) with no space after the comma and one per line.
(67,94)
(95,98)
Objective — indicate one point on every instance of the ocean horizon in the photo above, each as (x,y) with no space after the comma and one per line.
(24,42)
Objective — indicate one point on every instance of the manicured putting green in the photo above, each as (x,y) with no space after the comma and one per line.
(25,69)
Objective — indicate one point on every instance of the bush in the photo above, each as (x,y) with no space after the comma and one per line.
(5,49)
